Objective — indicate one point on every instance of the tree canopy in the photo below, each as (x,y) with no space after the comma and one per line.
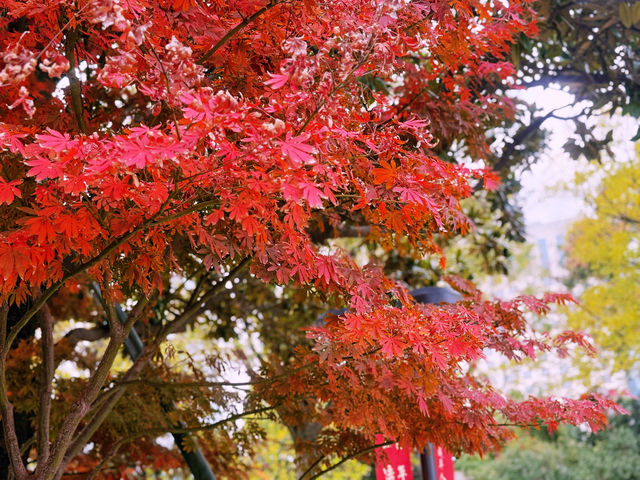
(185,165)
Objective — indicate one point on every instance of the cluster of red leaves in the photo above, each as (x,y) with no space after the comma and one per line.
(406,373)
(236,125)
(153,456)
(260,160)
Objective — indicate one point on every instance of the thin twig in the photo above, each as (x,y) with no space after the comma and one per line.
(229,35)
(191,312)
(168,85)
(349,457)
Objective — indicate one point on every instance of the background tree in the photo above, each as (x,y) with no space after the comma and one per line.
(567,454)
(590,50)
(603,255)
(586,49)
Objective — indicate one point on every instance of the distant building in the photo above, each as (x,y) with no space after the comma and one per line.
(542,271)
(548,241)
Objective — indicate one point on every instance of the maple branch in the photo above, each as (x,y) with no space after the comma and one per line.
(229,35)
(180,385)
(523,134)
(62,29)
(6,408)
(110,248)
(312,466)
(100,413)
(74,83)
(347,458)
(100,409)
(191,312)
(201,428)
(169,429)
(337,87)
(86,334)
(46,388)
(81,406)
(182,213)
(168,86)
(406,105)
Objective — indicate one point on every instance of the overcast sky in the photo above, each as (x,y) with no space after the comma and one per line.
(542,201)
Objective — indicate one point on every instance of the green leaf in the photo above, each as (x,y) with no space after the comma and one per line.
(632,108)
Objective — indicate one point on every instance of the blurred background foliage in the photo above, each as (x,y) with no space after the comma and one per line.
(567,454)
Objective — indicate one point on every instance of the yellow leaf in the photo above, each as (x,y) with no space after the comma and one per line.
(635,13)
(624,12)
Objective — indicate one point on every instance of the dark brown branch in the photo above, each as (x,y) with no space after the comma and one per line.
(6,408)
(578,77)
(81,406)
(627,219)
(86,334)
(74,84)
(325,231)
(349,457)
(191,312)
(46,387)
(504,162)
(312,466)
(229,35)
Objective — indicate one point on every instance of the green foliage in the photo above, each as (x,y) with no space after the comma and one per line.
(590,48)
(568,454)
(274,459)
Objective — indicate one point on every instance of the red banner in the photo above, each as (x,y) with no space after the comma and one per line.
(392,463)
(444,463)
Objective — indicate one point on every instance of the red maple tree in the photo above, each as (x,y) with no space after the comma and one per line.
(144,142)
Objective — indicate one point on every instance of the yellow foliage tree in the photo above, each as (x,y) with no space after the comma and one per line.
(604,252)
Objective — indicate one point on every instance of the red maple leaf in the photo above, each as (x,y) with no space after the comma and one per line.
(298,152)
(9,190)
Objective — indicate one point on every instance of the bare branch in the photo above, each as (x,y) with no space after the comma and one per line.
(46,387)
(86,334)
(349,457)
(6,408)
(81,406)
(193,311)
(504,162)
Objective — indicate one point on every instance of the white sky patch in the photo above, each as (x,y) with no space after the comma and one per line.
(541,199)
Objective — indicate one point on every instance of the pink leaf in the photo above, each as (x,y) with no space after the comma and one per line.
(277,80)
(312,195)
(297,151)
(56,141)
